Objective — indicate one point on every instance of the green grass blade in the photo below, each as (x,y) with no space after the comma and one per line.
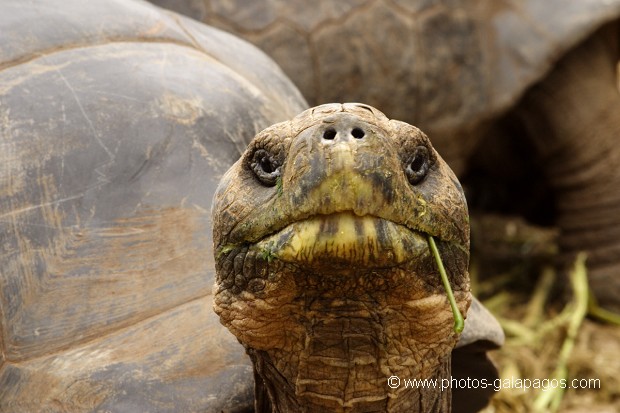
(459,322)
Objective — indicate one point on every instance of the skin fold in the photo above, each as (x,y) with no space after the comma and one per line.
(581,153)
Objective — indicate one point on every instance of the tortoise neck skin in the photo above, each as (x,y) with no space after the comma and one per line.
(274,393)
(323,269)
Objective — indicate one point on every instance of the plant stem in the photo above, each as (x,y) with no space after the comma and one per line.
(459,322)
(550,400)
(600,313)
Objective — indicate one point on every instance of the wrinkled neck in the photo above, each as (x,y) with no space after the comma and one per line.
(343,365)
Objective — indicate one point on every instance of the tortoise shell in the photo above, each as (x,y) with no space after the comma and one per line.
(444,66)
(116,121)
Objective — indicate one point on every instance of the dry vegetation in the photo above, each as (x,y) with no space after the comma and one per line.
(551,333)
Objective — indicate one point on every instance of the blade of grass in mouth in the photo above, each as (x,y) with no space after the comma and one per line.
(459,323)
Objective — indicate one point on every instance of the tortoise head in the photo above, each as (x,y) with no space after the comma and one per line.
(324,273)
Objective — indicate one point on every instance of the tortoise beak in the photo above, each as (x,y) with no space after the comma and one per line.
(343,239)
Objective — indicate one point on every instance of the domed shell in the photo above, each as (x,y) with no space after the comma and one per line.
(442,65)
(116,121)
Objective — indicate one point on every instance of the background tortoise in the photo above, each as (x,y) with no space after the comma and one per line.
(117,120)
(478,77)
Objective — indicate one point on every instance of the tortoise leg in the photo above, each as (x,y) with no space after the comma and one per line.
(574,118)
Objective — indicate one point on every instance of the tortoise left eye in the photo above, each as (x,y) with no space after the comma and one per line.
(265,166)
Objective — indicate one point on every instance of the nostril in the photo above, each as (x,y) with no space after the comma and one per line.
(357,133)
(329,134)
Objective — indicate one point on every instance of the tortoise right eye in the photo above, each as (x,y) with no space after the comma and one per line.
(265,166)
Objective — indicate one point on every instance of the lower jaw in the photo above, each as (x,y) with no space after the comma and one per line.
(342,240)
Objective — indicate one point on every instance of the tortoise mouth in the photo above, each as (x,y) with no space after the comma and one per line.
(342,239)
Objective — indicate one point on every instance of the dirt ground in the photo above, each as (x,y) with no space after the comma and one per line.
(550,333)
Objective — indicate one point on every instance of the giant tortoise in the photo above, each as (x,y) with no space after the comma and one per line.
(324,234)
(519,96)
(117,121)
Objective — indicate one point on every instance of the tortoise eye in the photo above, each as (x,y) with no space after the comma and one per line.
(265,166)
(417,165)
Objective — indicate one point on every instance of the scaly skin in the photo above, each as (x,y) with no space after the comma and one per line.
(323,269)
(581,155)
